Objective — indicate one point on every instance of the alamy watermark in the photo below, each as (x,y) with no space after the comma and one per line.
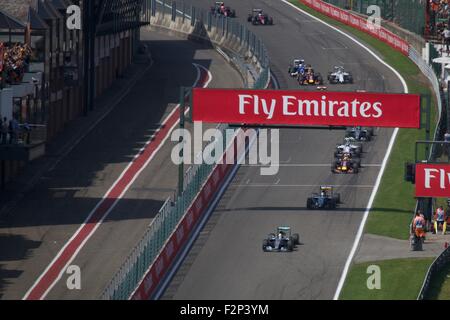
(73,281)
(374,19)
(374,280)
(263,147)
(73,21)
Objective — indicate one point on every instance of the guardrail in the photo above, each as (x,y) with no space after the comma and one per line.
(428,71)
(398,44)
(437,265)
(247,49)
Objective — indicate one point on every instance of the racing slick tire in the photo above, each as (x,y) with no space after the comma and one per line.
(367,137)
(249,19)
(370,131)
(332,204)
(309,203)
(270,22)
(265,245)
(357,163)
(355,170)
(319,79)
(337,197)
(290,245)
(296,238)
(350,79)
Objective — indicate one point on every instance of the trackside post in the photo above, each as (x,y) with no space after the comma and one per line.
(184,91)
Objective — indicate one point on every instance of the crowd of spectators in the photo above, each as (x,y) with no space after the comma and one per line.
(11,132)
(14,61)
(439,16)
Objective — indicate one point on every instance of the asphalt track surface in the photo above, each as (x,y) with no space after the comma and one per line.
(226,261)
(53,210)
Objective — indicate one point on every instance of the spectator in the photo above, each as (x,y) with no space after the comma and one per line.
(13,130)
(446,35)
(27,129)
(4,130)
(15,62)
(447,145)
(16,128)
(440,220)
(418,225)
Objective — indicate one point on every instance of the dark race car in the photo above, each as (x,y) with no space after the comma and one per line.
(339,75)
(348,147)
(282,241)
(345,164)
(359,133)
(297,67)
(219,8)
(309,77)
(258,17)
(326,199)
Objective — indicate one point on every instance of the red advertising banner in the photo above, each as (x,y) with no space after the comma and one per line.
(433,180)
(295,107)
(359,23)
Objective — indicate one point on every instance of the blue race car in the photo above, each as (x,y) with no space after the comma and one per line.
(298,67)
(326,199)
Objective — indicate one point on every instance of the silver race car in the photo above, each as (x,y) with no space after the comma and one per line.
(359,133)
(340,76)
(349,147)
(282,241)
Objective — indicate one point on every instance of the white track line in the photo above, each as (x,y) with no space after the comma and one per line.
(318,165)
(103,198)
(385,160)
(196,231)
(265,185)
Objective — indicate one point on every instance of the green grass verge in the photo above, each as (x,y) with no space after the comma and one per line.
(440,285)
(401,279)
(394,204)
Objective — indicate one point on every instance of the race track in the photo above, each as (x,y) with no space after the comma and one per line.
(226,260)
(47,217)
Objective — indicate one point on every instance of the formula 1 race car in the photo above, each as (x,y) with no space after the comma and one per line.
(297,67)
(326,199)
(359,133)
(309,77)
(340,76)
(345,164)
(258,17)
(219,8)
(349,148)
(282,241)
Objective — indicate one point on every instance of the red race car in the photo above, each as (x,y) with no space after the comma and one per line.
(258,17)
(219,8)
